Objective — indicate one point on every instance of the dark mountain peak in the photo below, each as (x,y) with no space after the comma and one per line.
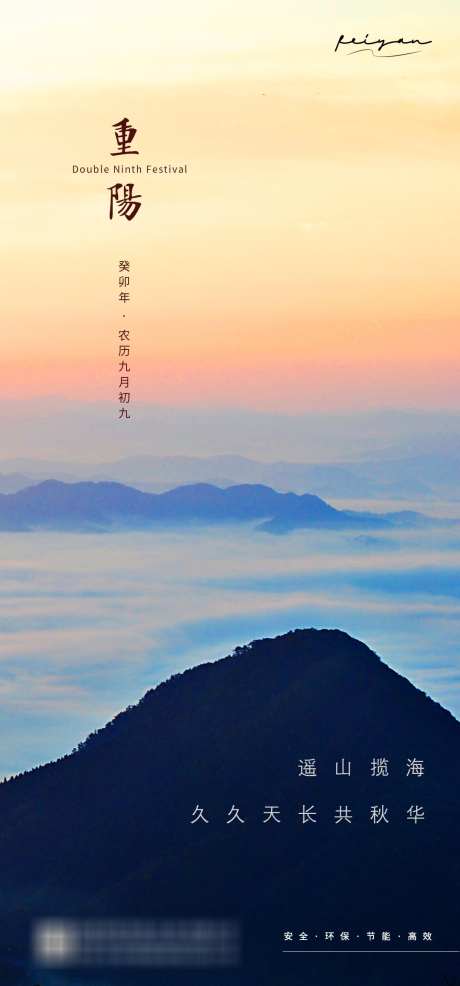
(290,654)
(108,828)
(308,644)
(306,677)
(298,651)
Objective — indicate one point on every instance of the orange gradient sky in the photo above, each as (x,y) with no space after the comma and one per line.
(310,256)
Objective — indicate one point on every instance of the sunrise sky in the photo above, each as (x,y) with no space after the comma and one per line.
(309,259)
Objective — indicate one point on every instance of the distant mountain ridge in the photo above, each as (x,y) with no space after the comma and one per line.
(107,829)
(388,474)
(56,505)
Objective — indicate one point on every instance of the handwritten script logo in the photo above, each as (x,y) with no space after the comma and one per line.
(377,46)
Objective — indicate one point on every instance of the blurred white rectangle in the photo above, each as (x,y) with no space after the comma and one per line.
(184,943)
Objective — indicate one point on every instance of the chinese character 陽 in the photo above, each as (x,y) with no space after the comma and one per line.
(127,206)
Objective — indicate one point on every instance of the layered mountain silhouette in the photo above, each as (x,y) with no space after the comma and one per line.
(74,506)
(107,830)
(390,472)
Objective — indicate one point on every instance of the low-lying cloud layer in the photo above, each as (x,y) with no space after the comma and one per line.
(91,621)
